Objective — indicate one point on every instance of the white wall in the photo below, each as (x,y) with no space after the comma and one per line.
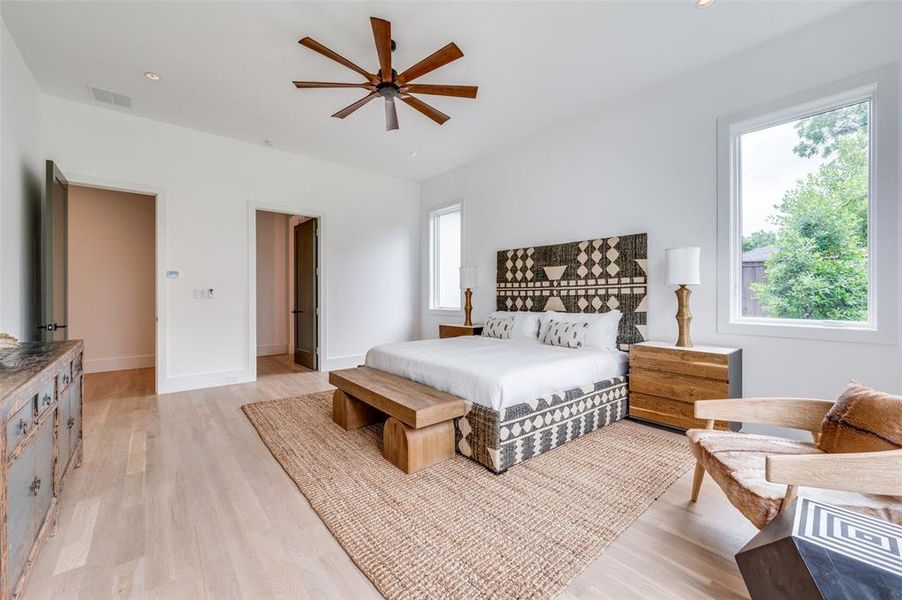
(209,185)
(20,189)
(111,300)
(647,162)
(272,283)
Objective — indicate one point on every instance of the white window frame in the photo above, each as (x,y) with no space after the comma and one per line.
(880,88)
(434,242)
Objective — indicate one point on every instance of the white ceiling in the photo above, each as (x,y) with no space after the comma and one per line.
(227,67)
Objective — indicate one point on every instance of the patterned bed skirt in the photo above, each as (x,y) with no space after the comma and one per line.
(500,440)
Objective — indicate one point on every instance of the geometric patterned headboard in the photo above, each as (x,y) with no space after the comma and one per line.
(588,276)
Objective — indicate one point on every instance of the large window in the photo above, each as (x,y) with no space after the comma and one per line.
(444,263)
(800,195)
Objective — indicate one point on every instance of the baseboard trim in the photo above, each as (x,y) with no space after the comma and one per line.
(121,363)
(271,349)
(333,363)
(199,381)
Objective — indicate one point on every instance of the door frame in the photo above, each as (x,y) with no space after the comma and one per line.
(294,209)
(161,342)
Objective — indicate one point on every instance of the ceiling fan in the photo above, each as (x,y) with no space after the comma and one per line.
(388,83)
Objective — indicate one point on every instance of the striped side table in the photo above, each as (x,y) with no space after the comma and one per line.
(815,550)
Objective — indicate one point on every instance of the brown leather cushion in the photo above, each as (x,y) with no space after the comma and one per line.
(736,462)
(862,420)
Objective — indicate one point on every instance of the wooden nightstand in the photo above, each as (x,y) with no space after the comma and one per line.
(450,331)
(665,381)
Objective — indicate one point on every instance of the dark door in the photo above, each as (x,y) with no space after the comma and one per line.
(305,293)
(52,315)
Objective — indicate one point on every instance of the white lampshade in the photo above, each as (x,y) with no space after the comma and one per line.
(682,265)
(468,278)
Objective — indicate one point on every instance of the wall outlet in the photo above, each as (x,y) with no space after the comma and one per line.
(210,293)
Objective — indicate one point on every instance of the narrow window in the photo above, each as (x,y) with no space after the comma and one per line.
(444,243)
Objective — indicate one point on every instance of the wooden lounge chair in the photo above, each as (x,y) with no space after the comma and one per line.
(853,461)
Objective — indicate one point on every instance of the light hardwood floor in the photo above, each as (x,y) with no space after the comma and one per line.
(179,498)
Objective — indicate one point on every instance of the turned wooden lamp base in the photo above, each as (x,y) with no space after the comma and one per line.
(468,307)
(683,316)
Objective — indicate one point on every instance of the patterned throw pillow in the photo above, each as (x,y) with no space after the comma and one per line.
(498,327)
(562,333)
(863,420)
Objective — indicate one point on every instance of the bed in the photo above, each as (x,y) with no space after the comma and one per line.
(524,397)
(519,393)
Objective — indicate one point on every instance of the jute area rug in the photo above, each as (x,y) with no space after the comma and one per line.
(456,530)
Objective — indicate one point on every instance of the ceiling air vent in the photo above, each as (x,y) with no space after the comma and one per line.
(108,97)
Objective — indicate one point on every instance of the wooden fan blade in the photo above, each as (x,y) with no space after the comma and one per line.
(460,91)
(382,35)
(437,59)
(391,114)
(324,84)
(349,109)
(434,114)
(317,47)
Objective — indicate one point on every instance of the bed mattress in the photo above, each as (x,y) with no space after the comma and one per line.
(495,373)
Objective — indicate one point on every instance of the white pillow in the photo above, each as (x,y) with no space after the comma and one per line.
(601,332)
(526,324)
(498,327)
(569,334)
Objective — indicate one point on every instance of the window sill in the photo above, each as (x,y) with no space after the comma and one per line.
(860,334)
(445,312)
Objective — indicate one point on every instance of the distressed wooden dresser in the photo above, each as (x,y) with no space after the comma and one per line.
(41,388)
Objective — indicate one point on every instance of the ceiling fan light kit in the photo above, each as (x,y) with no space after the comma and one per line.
(387,83)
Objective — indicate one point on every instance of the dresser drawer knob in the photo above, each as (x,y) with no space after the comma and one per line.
(23,426)
(35,486)
(47,399)
(70,423)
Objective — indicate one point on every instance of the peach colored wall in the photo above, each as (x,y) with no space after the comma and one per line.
(272,283)
(111,277)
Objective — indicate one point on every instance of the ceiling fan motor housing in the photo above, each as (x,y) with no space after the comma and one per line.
(388,90)
(393,86)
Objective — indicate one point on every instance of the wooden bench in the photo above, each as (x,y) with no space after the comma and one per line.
(419,430)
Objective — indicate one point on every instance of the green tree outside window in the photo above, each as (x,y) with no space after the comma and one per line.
(819,267)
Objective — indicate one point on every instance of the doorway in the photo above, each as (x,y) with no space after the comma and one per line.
(287,289)
(111,287)
(98,273)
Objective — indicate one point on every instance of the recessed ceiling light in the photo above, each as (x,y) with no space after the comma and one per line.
(152,76)
(703,3)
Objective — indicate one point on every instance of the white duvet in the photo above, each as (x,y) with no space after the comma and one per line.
(496,373)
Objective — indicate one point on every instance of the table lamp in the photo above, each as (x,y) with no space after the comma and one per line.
(468,284)
(682,268)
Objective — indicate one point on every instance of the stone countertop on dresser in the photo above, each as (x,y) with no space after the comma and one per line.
(21,363)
